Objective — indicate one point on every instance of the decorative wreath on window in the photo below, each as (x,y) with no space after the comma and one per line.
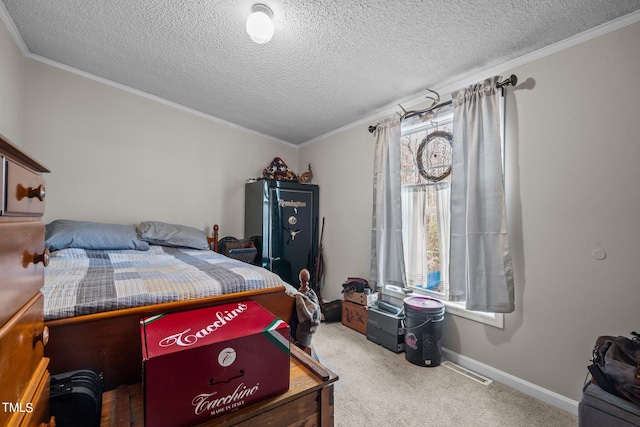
(434,156)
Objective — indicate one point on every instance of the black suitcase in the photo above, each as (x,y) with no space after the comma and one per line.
(76,398)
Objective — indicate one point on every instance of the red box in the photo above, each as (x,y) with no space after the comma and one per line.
(202,363)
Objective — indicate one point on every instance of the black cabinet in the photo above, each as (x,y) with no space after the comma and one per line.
(284,215)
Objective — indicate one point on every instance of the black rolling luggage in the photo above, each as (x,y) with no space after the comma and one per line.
(76,398)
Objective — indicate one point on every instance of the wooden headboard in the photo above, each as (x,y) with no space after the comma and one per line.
(213,240)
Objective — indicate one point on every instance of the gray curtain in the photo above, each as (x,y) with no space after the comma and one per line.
(481,271)
(387,256)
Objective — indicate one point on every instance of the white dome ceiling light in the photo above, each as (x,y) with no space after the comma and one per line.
(260,24)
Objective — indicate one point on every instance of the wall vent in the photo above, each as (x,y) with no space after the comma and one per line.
(467,373)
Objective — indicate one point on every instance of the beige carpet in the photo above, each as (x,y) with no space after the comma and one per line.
(380,388)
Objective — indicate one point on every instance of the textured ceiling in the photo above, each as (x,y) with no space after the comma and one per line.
(330,62)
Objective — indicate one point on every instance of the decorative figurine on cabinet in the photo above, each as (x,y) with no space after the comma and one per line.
(306,176)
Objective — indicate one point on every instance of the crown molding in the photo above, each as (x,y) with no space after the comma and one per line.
(154,98)
(592,33)
(13,31)
(587,35)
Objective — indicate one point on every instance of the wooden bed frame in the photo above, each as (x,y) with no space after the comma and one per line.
(110,341)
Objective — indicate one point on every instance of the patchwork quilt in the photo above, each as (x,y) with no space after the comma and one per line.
(80,281)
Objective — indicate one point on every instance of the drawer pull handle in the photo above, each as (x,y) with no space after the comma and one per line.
(44,258)
(41,336)
(37,192)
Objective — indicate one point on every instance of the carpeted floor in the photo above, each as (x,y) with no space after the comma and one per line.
(380,388)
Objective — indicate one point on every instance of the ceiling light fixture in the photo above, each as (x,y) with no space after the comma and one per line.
(260,24)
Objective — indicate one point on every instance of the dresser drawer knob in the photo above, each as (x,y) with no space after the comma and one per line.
(37,192)
(41,336)
(44,258)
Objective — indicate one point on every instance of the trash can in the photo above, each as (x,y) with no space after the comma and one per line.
(423,330)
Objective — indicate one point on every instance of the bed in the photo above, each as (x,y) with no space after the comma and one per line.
(101,279)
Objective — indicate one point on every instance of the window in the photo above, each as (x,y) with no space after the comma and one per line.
(426,211)
(426,178)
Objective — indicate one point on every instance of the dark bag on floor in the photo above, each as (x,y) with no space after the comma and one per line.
(332,311)
(76,398)
(616,366)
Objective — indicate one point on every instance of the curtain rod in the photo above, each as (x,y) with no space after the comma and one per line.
(512,80)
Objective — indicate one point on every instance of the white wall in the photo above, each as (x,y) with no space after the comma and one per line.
(573,186)
(343,168)
(11,88)
(116,156)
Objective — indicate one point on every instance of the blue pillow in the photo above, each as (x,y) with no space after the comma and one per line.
(65,233)
(161,233)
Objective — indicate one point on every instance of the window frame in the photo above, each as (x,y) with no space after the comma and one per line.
(453,307)
(397,294)
(443,116)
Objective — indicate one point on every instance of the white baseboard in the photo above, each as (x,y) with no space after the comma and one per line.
(548,396)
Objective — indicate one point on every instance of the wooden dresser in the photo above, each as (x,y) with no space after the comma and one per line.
(24,377)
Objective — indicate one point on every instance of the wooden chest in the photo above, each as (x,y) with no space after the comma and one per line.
(354,316)
(361,298)
(309,401)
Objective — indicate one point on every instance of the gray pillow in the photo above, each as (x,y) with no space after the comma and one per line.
(161,233)
(65,233)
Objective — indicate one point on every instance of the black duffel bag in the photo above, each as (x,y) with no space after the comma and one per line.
(76,398)
(615,366)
